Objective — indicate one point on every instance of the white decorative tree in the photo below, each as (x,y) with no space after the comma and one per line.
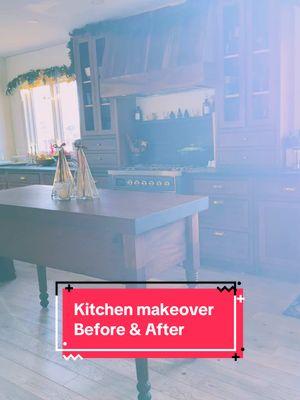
(85,185)
(63,185)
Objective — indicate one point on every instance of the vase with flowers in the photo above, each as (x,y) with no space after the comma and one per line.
(137,148)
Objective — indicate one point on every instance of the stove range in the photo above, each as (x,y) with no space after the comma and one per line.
(158,178)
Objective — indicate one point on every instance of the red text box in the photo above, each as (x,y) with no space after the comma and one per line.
(152,322)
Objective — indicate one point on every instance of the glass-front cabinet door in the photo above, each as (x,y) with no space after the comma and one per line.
(232,64)
(103,104)
(86,85)
(262,61)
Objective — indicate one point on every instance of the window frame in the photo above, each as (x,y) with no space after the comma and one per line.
(26,95)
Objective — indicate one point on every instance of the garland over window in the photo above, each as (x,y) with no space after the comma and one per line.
(39,77)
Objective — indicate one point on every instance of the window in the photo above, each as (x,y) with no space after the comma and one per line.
(51,115)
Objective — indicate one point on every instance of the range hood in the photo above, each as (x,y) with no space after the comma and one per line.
(169,49)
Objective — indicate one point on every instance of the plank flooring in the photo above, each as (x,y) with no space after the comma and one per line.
(31,370)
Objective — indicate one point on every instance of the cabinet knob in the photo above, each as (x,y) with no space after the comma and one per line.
(219,234)
(218,202)
(245,158)
(290,189)
(23,178)
(245,139)
(218,186)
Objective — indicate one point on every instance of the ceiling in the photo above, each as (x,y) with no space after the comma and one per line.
(27,25)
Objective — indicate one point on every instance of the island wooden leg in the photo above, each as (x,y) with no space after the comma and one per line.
(192,263)
(136,272)
(7,270)
(143,385)
(42,279)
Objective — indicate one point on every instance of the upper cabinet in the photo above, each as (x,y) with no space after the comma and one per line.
(232,62)
(249,62)
(86,84)
(257,97)
(263,62)
(104,105)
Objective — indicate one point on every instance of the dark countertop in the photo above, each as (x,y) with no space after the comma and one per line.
(40,168)
(123,211)
(239,171)
(200,171)
(29,168)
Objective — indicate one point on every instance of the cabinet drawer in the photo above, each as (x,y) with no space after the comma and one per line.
(47,179)
(226,213)
(100,144)
(228,187)
(247,157)
(101,159)
(2,179)
(15,179)
(247,139)
(279,237)
(2,186)
(225,245)
(286,188)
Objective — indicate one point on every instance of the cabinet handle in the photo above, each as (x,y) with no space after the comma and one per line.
(23,178)
(245,158)
(218,186)
(99,144)
(218,234)
(290,189)
(218,202)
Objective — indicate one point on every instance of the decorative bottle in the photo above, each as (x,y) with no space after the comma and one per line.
(206,107)
(138,115)
(179,113)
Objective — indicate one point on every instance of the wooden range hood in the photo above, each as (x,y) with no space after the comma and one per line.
(164,50)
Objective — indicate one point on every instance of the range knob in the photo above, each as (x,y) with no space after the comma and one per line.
(129,182)
(158,183)
(151,183)
(166,183)
(144,183)
(136,182)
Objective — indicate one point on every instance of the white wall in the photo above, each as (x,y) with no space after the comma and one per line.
(7,148)
(22,63)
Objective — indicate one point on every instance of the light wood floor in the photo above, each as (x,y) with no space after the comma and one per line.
(31,370)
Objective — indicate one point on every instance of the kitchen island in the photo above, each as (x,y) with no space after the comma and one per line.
(120,236)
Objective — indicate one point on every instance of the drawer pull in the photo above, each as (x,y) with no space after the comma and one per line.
(290,189)
(218,202)
(218,186)
(23,178)
(218,234)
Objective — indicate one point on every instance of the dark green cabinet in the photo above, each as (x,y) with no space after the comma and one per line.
(252,224)
(279,237)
